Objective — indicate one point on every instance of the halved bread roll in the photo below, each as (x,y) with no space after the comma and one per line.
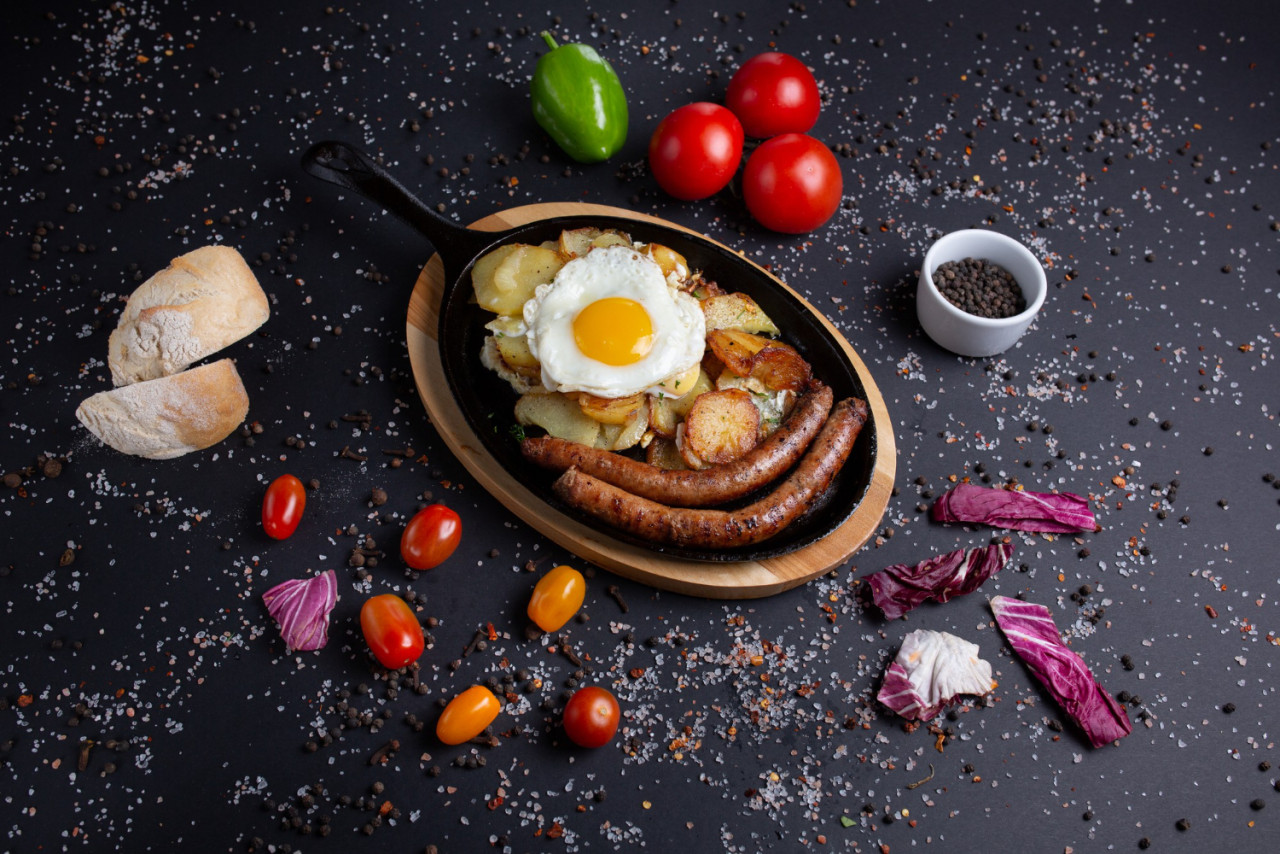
(171,416)
(203,301)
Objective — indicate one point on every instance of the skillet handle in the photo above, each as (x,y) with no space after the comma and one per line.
(348,167)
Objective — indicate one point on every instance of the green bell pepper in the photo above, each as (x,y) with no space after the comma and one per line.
(578,100)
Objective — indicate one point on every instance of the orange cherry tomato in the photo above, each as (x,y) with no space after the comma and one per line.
(556,597)
(591,717)
(467,715)
(282,506)
(430,537)
(392,630)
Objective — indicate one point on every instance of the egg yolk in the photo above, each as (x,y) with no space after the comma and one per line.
(614,330)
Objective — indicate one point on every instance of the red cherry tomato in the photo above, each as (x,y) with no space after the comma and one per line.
(591,717)
(430,537)
(695,150)
(774,93)
(792,183)
(467,715)
(392,630)
(282,506)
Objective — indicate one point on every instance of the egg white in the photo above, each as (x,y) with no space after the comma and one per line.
(679,327)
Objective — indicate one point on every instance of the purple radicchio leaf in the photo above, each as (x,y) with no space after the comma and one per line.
(1030,630)
(301,607)
(899,588)
(1048,512)
(933,669)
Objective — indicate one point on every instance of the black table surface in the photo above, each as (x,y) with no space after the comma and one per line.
(147,702)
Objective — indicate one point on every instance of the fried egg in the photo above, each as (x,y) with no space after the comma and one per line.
(610,325)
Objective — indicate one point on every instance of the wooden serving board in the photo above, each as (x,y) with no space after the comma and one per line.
(721,580)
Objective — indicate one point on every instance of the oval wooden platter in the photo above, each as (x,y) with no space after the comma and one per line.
(720,580)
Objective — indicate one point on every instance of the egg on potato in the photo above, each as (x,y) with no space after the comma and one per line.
(608,324)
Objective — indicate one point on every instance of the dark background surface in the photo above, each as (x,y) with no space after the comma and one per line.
(1131,145)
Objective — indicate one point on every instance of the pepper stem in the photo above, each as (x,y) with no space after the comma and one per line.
(549,39)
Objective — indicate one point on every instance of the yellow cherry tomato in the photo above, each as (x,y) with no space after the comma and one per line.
(467,715)
(556,597)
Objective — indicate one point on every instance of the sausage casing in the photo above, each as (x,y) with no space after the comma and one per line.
(706,528)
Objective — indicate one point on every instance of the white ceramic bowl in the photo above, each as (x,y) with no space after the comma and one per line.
(968,334)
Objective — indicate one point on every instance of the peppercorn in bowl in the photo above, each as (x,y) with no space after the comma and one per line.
(978,292)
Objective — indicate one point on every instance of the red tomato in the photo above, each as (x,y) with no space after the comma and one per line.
(282,506)
(467,715)
(430,537)
(591,717)
(792,183)
(392,630)
(695,150)
(774,93)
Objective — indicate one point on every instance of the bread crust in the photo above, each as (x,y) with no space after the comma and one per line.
(202,302)
(167,417)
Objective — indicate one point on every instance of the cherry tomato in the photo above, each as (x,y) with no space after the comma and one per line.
(591,717)
(556,597)
(392,630)
(430,537)
(774,93)
(695,150)
(467,715)
(282,506)
(792,183)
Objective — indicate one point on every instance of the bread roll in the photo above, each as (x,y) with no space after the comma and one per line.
(200,303)
(170,416)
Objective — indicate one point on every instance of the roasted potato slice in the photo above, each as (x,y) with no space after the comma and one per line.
(505,278)
(722,425)
(780,367)
(558,414)
(515,353)
(681,405)
(737,311)
(630,433)
(687,456)
(736,349)
(662,453)
(610,237)
(611,410)
(662,416)
(669,260)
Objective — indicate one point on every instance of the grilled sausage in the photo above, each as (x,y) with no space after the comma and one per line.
(721,529)
(717,485)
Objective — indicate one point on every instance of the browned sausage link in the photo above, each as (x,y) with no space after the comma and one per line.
(719,529)
(717,485)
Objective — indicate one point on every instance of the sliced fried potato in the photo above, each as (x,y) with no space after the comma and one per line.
(678,385)
(736,348)
(558,414)
(516,355)
(669,260)
(687,456)
(737,311)
(505,278)
(577,241)
(610,237)
(780,367)
(611,410)
(681,405)
(662,416)
(662,454)
(722,425)
(632,431)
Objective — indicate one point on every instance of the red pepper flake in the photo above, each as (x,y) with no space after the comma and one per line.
(495,802)
(1211,611)
(556,831)
(25,700)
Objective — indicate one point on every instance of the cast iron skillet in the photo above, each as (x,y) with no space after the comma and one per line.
(486,401)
